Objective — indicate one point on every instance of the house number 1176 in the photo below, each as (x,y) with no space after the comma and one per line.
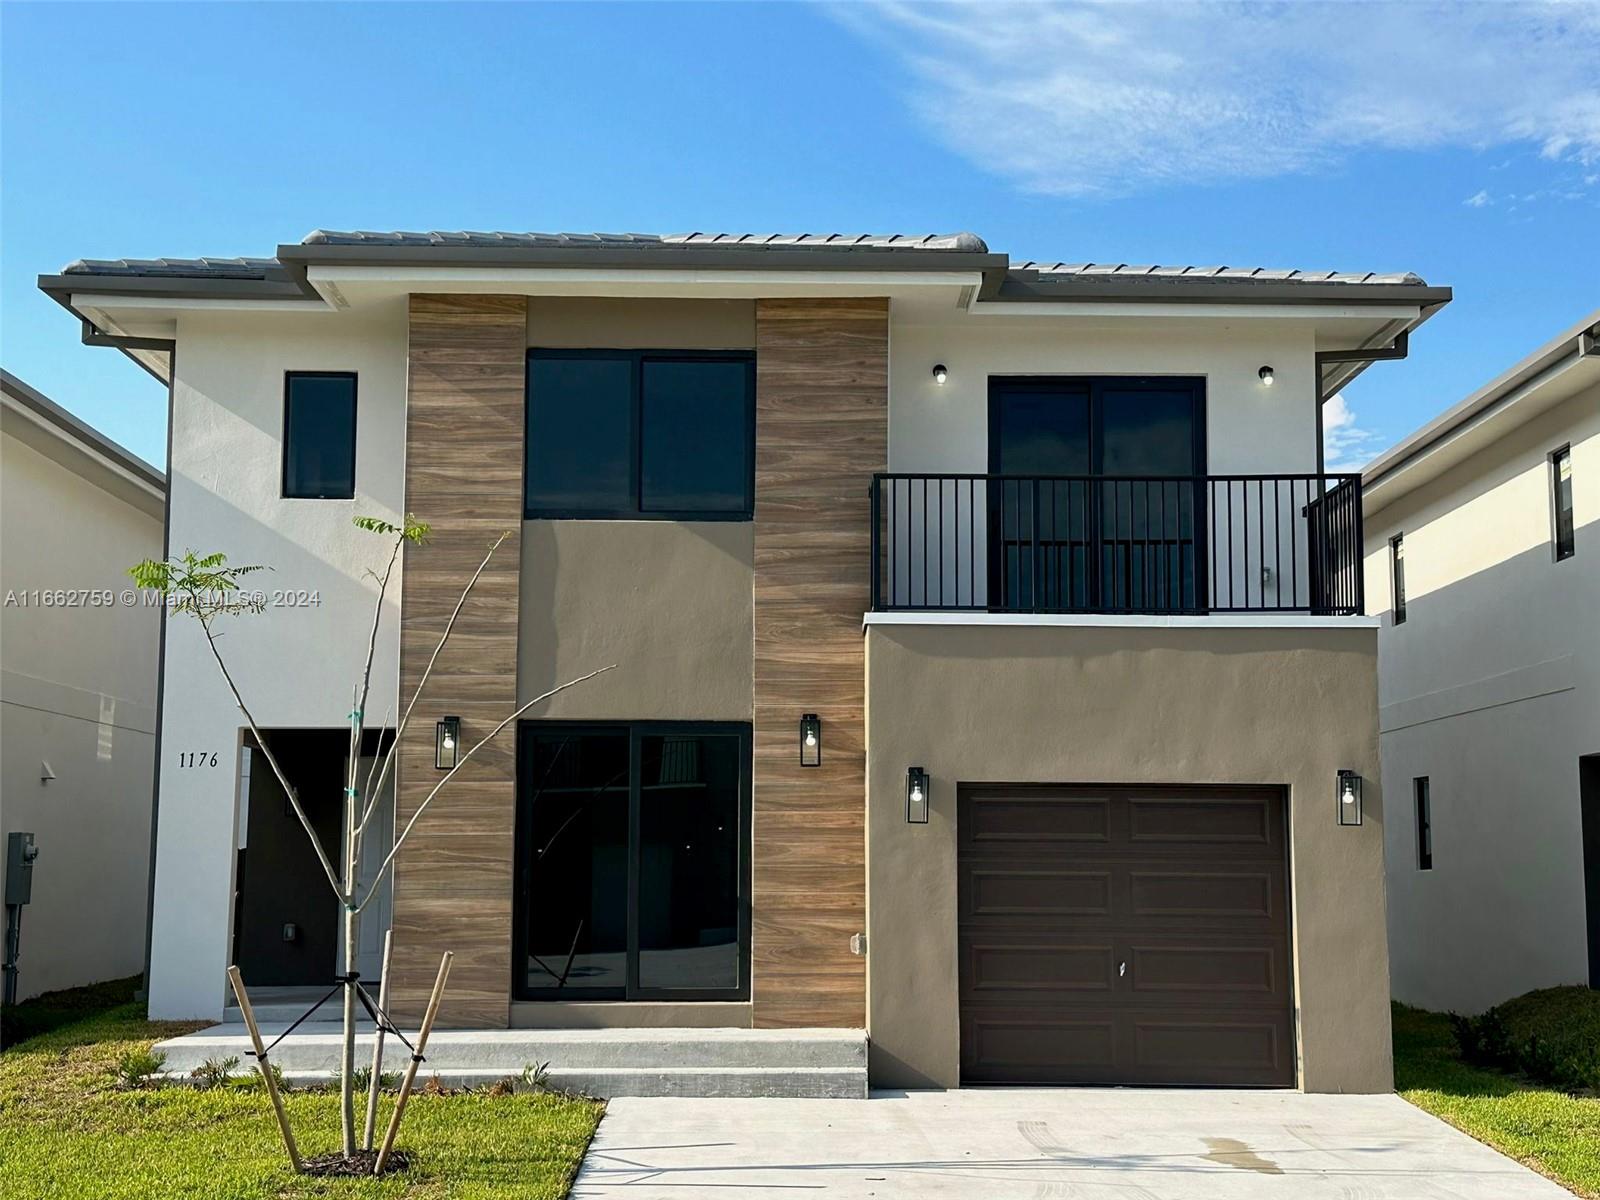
(197,758)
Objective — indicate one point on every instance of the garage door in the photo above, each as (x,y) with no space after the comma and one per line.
(1124,935)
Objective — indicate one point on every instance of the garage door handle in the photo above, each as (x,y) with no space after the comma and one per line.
(1122,970)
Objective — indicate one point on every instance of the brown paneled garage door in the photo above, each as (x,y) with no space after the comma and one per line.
(1124,935)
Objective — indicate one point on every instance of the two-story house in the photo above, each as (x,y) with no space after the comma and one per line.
(992,672)
(78,672)
(1483,562)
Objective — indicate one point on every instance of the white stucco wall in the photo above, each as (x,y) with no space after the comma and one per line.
(79,689)
(295,665)
(1491,689)
(1251,429)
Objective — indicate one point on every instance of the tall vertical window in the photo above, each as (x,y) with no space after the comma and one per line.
(1419,790)
(633,861)
(1561,502)
(319,435)
(1397,577)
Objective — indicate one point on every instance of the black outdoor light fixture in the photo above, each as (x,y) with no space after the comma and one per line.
(940,373)
(1266,376)
(917,796)
(1349,798)
(811,740)
(447,743)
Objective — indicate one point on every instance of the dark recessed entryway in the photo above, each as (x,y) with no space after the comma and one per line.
(1124,935)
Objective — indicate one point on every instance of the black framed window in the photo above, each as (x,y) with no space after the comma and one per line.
(1397,577)
(1421,792)
(640,434)
(633,861)
(1561,503)
(319,435)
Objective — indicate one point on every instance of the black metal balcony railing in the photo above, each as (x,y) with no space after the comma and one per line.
(1097,544)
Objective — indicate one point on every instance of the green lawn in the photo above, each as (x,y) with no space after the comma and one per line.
(1554,1133)
(67,1131)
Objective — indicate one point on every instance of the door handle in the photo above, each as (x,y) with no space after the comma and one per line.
(1122,970)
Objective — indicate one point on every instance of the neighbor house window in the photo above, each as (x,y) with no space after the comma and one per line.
(1397,577)
(633,861)
(1561,501)
(319,435)
(1419,789)
(640,434)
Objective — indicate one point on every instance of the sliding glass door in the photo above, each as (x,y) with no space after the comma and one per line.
(633,861)
(1120,533)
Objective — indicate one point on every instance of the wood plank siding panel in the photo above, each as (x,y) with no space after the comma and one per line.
(822,378)
(464,435)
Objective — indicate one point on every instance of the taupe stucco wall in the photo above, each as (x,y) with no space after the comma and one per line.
(625,323)
(669,602)
(1019,704)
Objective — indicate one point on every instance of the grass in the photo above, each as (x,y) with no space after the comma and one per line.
(66,1130)
(52,1010)
(1555,1133)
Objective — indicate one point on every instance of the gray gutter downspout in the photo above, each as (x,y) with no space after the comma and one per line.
(1397,350)
(93,337)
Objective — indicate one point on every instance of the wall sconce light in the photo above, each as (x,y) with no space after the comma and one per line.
(940,373)
(1266,376)
(917,796)
(811,740)
(1349,798)
(447,743)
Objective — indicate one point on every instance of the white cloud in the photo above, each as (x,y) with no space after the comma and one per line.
(1479,200)
(1086,98)
(1345,445)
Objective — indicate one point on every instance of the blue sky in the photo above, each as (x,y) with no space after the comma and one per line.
(1460,142)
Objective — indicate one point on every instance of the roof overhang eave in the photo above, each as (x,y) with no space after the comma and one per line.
(1020,288)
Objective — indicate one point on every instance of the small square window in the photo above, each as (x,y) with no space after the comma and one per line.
(319,435)
(1561,503)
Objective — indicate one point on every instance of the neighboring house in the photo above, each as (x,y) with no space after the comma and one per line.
(1044,548)
(78,682)
(1483,555)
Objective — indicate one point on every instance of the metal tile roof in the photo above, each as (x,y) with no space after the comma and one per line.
(968,242)
(177,268)
(1246,274)
(1035,280)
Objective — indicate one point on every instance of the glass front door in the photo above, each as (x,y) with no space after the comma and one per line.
(633,861)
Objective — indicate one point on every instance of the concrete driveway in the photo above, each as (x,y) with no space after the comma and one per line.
(1078,1143)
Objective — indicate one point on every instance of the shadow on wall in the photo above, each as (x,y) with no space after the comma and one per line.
(1491,690)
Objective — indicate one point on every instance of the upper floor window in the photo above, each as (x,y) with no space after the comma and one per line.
(319,435)
(1561,502)
(1420,792)
(1397,577)
(640,434)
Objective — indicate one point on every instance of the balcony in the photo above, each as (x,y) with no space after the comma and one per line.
(1158,545)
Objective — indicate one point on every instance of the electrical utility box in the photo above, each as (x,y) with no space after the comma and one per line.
(20,853)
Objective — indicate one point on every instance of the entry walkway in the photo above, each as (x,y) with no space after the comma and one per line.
(1045,1143)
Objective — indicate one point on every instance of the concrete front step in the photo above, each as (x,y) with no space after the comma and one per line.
(828,1063)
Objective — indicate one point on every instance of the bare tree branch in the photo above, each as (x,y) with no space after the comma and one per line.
(372,888)
(370,795)
(405,717)
(272,761)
